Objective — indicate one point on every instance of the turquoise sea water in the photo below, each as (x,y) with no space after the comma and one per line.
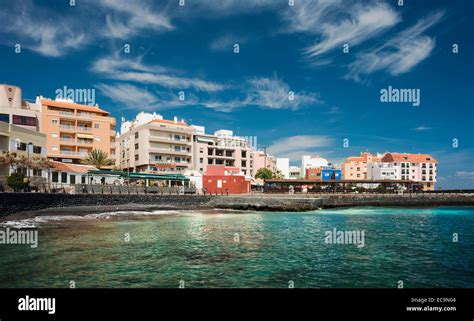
(246,249)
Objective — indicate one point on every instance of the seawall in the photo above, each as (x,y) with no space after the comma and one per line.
(11,203)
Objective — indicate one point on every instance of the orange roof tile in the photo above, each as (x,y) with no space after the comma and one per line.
(63,104)
(412,158)
(71,168)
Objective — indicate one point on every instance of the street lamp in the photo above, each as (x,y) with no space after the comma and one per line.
(28,164)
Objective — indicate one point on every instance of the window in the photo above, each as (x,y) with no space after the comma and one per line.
(83,179)
(54,121)
(201,160)
(201,150)
(72,179)
(96,126)
(54,135)
(136,157)
(37,149)
(5,118)
(54,147)
(55,177)
(136,135)
(24,120)
(37,172)
(177,159)
(21,146)
(136,146)
(63,177)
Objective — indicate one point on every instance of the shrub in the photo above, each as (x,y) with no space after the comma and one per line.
(16,181)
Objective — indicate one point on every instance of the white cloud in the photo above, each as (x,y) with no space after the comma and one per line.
(465,175)
(421,128)
(226,42)
(126,18)
(294,147)
(228,7)
(400,54)
(134,70)
(273,93)
(338,22)
(134,97)
(40,30)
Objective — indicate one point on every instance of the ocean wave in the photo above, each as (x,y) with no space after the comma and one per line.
(35,222)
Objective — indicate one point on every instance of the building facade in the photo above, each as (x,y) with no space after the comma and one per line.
(355,167)
(263,160)
(152,144)
(308,161)
(420,168)
(22,142)
(73,130)
(14,110)
(222,180)
(294,172)
(222,148)
(283,165)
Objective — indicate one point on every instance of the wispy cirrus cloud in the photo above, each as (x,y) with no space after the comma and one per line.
(421,128)
(41,30)
(127,18)
(134,70)
(127,96)
(226,42)
(338,22)
(400,54)
(273,93)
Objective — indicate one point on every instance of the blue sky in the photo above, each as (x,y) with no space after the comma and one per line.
(283,48)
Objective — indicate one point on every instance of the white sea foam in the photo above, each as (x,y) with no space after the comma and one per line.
(36,221)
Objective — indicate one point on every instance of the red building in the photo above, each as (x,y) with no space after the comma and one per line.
(313,173)
(222,180)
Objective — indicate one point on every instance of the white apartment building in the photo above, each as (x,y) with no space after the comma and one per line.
(379,170)
(221,148)
(294,172)
(283,165)
(151,144)
(308,161)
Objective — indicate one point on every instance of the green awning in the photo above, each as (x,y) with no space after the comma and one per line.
(204,140)
(166,177)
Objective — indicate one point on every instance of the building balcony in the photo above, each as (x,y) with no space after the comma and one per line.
(85,141)
(170,140)
(168,151)
(67,127)
(84,115)
(84,129)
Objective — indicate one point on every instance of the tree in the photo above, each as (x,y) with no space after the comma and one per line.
(17,182)
(278,175)
(264,173)
(98,158)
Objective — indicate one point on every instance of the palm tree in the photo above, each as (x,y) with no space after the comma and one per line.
(98,158)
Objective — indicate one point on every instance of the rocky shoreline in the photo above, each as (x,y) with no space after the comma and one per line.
(25,204)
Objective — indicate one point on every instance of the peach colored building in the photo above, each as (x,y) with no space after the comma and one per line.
(152,144)
(73,130)
(263,160)
(355,167)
